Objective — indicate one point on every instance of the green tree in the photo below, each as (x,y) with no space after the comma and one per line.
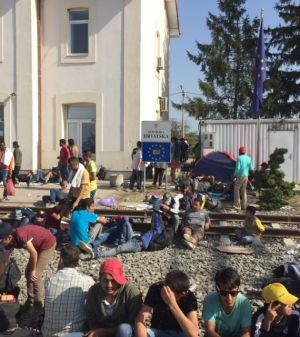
(283,89)
(227,64)
(274,190)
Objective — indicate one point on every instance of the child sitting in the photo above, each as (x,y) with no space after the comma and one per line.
(276,318)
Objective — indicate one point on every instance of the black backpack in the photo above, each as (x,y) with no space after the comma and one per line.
(10,278)
(101,173)
(162,240)
(185,203)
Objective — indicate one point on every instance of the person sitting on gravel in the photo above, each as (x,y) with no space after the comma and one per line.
(120,232)
(65,296)
(29,217)
(169,208)
(157,238)
(252,227)
(56,195)
(85,225)
(173,308)
(112,304)
(276,318)
(226,312)
(195,222)
(40,244)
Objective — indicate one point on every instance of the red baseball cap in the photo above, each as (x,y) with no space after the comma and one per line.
(114,268)
(242,149)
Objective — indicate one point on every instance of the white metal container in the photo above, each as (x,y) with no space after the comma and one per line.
(231,134)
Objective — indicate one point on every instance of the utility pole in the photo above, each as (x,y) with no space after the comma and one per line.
(182,110)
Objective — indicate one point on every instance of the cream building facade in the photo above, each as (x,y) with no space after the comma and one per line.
(90,70)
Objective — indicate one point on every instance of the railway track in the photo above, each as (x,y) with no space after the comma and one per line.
(220,221)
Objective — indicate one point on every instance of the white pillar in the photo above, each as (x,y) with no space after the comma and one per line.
(27,81)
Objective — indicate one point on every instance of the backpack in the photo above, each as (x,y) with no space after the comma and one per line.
(162,240)
(101,173)
(185,203)
(10,278)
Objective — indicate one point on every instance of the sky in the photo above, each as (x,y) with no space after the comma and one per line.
(192,18)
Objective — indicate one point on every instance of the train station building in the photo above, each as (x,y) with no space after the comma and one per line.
(91,70)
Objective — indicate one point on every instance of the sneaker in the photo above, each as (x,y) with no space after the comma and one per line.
(85,247)
(189,238)
(188,244)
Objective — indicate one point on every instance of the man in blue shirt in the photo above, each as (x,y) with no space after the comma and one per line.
(242,169)
(85,225)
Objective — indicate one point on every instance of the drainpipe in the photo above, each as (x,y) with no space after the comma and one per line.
(39,35)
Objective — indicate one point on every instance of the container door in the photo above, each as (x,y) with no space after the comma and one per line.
(283,139)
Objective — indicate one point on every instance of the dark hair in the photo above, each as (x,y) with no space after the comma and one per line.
(86,203)
(251,209)
(178,281)
(62,141)
(70,255)
(87,153)
(198,200)
(227,277)
(139,144)
(73,160)
(71,142)
(15,143)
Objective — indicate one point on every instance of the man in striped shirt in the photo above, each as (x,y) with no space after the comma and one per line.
(65,296)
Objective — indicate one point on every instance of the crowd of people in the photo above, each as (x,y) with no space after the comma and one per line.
(72,304)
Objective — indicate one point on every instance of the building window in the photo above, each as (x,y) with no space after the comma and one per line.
(79,31)
(1,123)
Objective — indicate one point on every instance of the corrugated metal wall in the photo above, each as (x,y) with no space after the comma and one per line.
(231,134)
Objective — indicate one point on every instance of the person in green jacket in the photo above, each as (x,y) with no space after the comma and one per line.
(18,161)
(112,304)
(242,169)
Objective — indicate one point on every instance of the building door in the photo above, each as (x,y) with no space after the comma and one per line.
(284,139)
(81,127)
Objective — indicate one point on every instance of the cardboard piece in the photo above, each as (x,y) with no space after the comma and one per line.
(235,250)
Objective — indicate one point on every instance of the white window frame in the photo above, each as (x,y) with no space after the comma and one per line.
(78,22)
(65,32)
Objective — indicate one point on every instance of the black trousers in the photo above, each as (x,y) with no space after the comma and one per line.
(158,175)
(15,173)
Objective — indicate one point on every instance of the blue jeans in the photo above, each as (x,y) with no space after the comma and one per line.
(118,234)
(55,196)
(164,333)
(4,178)
(124,330)
(93,194)
(136,176)
(131,246)
(64,171)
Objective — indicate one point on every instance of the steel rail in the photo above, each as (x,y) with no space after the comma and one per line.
(237,217)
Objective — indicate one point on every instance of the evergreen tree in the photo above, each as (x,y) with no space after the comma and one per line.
(227,64)
(274,190)
(283,99)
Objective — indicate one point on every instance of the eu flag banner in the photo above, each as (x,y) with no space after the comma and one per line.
(260,74)
(159,152)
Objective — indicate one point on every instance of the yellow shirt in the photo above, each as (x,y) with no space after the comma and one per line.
(92,168)
(85,180)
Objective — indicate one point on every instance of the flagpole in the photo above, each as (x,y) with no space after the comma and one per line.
(258,119)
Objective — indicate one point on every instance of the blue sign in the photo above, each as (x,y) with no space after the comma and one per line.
(158,152)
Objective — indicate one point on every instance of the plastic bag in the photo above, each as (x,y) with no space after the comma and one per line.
(11,190)
(108,202)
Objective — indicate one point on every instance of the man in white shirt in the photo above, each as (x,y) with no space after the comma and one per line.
(137,167)
(65,296)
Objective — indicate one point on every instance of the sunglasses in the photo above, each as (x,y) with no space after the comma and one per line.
(224,293)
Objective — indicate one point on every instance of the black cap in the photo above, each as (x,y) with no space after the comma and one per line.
(5,230)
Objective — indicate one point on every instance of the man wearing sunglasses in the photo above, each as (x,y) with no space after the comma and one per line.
(226,312)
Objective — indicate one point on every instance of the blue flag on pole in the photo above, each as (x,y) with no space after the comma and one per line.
(260,74)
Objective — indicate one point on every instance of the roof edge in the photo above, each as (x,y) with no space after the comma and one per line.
(173,17)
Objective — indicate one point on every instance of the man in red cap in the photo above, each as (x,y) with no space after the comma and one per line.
(113,303)
(242,169)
